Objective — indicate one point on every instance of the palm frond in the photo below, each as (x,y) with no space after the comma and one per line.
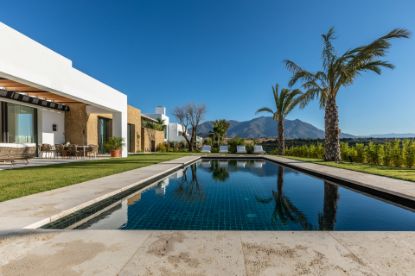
(264,109)
(328,55)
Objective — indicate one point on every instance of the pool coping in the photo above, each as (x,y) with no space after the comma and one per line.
(331,174)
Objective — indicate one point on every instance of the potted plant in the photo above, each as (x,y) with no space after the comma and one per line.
(114,146)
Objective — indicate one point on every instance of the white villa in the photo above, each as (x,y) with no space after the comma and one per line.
(44,99)
(173,132)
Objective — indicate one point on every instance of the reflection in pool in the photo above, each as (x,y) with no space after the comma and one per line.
(250,195)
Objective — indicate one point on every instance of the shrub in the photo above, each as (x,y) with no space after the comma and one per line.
(360,153)
(114,143)
(396,153)
(162,147)
(233,143)
(410,154)
(249,148)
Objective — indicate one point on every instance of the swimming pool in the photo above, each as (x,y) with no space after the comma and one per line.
(247,195)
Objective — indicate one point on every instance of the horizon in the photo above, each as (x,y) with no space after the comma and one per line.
(230,53)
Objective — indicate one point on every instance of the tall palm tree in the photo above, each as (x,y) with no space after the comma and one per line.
(285,101)
(337,72)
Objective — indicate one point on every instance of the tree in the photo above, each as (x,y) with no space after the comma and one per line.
(159,125)
(337,72)
(220,128)
(285,101)
(190,116)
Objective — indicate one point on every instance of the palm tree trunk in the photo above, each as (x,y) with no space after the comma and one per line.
(332,132)
(281,138)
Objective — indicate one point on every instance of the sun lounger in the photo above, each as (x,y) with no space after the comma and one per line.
(241,149)
(206,149)
(258,149)
(223,149)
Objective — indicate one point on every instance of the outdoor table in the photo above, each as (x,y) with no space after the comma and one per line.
(83,148)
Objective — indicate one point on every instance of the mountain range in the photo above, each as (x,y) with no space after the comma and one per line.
(393,135)
(266,127)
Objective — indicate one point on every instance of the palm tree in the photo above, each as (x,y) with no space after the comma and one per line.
(220,127)
(159,125)
(285,101)
(337,72)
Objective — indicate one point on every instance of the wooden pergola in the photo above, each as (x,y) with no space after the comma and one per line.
(23,89)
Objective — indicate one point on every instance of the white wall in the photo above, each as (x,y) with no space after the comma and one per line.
(160,113)
(46,119)
(174,129)
(26,61)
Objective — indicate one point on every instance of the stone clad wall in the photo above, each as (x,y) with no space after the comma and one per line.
(151,139)
(81,128)
(76,124)
(92,127)
(134,118)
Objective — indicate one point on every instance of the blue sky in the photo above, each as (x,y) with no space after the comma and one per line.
(227,54)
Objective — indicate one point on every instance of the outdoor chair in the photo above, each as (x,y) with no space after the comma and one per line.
(61,151)
(206,149)
(47,151)
(223,149)
(92,151)
(240,149)
(258,149)
(73,151)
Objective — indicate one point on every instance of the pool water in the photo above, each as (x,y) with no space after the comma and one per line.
(250,195)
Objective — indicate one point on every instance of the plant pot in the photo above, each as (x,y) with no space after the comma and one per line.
(116,153)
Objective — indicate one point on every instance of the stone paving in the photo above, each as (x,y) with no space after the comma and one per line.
(112,252)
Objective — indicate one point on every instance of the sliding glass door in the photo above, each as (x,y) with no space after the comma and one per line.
(104,133)
(18,123)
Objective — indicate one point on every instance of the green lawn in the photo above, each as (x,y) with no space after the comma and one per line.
(25,181)
(398,173)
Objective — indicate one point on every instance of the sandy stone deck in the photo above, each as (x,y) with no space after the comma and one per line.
(112,252)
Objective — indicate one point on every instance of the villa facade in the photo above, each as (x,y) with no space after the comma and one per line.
(45,100)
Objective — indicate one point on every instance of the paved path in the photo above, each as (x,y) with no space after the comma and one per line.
(400,188)
(112,252)
(36,210)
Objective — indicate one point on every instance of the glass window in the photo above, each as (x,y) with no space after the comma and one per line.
(2,124)
(21,124)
